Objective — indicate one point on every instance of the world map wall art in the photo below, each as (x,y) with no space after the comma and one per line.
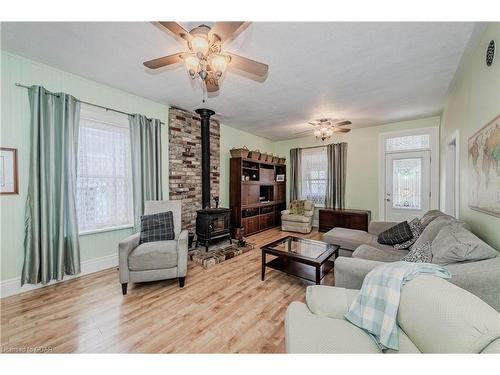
(484,169)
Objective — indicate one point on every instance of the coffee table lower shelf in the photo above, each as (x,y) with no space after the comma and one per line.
(303,271)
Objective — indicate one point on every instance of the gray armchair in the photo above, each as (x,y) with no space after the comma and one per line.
(153,261)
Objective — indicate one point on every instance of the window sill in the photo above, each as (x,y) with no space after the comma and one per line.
(103,230)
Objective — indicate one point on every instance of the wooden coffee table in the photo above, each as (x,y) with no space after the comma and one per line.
(307,259)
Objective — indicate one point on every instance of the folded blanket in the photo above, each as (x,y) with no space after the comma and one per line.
(375,309)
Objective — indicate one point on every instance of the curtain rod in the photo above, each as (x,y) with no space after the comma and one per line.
(92,104)
(305,148)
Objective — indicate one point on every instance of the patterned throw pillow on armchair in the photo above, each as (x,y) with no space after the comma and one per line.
(297,207)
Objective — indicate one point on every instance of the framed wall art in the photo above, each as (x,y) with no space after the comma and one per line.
(484,169)
(8,171)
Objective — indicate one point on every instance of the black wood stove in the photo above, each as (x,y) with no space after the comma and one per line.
(212,224)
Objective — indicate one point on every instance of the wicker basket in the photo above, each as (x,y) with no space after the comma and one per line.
(239,152)
(255,155)
(263,156)
(276,159)
(281,160)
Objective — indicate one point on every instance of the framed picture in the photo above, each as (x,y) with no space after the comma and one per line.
(8,171)
(484,169)
(280,178)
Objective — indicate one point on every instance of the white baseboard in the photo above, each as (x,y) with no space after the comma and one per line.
(13,286)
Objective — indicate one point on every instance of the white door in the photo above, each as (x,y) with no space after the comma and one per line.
(407,185)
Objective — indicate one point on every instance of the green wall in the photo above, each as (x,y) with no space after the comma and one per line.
(362,159)
(14,132)
(474,100)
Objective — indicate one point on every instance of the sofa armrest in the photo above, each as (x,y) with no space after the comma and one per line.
(350,272)
(328,301)
(285,212)
(125,247)
(377,227)
(182,253)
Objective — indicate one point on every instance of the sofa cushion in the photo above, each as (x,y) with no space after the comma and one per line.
(432,229)
(157,227)
(440,317)
(153,255)
(381,255)
(348,239)
(397,234)
(306,332)
(416,229)
(296,218)
(430,216)
(419,254)
(455,244)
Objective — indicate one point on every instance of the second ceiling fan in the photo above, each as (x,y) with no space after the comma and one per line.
(205,58)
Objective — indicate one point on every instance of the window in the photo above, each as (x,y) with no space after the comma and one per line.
(104,174)
(314,165)
(407,183)
(408,143)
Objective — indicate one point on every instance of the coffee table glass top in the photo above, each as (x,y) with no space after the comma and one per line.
(299,246)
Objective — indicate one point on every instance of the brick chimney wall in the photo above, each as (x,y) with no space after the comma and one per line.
(184,153)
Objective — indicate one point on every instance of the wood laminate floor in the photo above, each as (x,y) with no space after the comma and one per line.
(223,309)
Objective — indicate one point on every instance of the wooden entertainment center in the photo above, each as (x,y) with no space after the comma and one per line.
(256,199)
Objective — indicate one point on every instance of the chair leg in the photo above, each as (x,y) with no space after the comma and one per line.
(181,281)
(124,288)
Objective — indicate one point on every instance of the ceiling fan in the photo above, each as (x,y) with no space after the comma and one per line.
(205,57)
(324,128)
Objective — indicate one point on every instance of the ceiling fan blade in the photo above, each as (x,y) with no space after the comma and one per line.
(176,29)
(248,65)
(227,31)
(164,61)
(211,84)
(342,123)
(341,130)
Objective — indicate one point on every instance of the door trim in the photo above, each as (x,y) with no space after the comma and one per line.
(434,149)
(454,138)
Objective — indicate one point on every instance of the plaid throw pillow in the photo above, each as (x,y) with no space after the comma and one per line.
(157,227)
(416,229)
(297,207)
(419,254)
(396,234)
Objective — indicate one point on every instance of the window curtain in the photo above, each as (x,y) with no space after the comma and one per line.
(295,173)
(145,142)
(336,176)
(51,229)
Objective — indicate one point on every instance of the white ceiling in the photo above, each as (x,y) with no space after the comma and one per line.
(369,73)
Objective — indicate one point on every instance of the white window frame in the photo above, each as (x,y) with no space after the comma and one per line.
(434,149)
(319,205)
(111,119)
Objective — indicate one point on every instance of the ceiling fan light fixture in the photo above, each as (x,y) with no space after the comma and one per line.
(200,45)
(218,64)
(192,65)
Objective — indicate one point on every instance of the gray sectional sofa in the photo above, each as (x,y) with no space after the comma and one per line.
(474,265)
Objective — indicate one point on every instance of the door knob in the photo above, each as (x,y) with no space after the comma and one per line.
(388,200)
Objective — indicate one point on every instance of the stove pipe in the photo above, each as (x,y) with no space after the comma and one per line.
(205,155)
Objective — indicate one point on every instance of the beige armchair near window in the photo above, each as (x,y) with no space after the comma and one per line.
(298,223)
(159,260)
